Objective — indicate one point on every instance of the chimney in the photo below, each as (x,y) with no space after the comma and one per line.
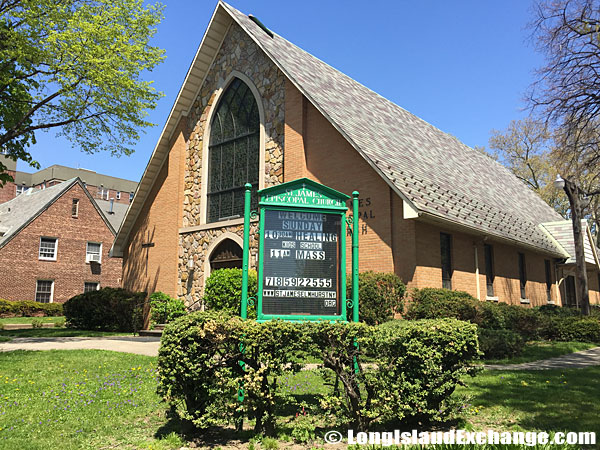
(110,210)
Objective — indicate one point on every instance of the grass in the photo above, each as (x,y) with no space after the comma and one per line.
(20,320)
(547,400)
(57,332)
(535,351)
(92,399)
(81,399)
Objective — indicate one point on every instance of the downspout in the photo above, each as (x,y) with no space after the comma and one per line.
(477,273)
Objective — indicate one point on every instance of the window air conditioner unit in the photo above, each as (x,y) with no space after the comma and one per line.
(93,258)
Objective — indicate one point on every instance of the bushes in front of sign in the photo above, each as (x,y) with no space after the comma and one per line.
(108,309)
(28,308)
(165,309)
(432,303)
(380,296)
(200,371)
(416,369)
(223,291)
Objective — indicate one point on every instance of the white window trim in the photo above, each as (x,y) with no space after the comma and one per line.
(97,283)
(87,260)
(76,204)
(118,195)
(45,258)
(206,139)
(51,289)
(525,301)
(492,299)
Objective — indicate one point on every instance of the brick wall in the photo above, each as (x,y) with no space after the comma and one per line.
(8,191)
(155,268)
(20,262)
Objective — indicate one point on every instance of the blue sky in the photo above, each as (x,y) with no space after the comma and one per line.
(463,66)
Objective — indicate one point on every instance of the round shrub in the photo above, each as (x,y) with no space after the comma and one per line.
(164,309)
(223,291)
(108,309)
(431,303)
(498,344)
(380,296)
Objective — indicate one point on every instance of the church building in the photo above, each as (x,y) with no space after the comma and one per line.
(254,108)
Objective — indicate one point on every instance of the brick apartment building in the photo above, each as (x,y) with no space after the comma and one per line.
(55,242)
(256,108)
(100,187)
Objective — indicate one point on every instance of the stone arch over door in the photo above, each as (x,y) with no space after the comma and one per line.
(223,252)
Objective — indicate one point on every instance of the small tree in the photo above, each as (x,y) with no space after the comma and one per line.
(76,66)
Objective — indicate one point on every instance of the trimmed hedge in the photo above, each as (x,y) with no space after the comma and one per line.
(419,365)
(27,308)
(498,344)
(223,291)
(545,322)
(165,309)
(107,309)
(380,296)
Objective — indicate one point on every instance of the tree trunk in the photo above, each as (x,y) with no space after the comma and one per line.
(578,235)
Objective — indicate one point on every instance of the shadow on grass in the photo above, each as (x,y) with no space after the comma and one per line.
(550,400)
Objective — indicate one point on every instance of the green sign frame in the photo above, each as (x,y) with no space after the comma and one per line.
(307,196)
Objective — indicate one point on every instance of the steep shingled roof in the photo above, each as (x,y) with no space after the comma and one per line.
(19,212)
(562,231)
(435,174)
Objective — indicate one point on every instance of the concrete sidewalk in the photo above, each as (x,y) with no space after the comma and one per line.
(140,345)
(577,360)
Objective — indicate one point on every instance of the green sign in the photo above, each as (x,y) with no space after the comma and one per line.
(302,254)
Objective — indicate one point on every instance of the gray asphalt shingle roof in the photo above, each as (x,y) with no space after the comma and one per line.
(562,231)
(437,173)
(21,210)
(18,212)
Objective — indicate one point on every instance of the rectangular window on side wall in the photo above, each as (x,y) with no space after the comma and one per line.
(75,208)
(522,276)
(446,253)
(93,252)
(570,294)
(130,197)
(91,286)
(44,291)
(489,269)
(118,195)
(48,248)
(548,272)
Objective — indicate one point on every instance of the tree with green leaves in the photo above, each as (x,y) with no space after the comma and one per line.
(76,66)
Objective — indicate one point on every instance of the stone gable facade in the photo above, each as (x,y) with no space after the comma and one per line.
(240,54)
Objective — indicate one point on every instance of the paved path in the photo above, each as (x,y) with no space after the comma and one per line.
(577,360)
(140,345)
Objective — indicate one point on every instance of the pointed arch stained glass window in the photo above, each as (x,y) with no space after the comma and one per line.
(233,153)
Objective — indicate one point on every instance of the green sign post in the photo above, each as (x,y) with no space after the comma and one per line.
(302,252)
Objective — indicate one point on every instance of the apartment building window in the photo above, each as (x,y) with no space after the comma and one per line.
(21,189)
(446,252)
(548,271)
(91,286)
(522,275)
(103,193)
(75,208)
(489,269)
(48,248)
(130,197)
(44,291)
(118,195)
(93,252)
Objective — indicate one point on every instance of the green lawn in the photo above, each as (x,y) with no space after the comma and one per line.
(30,319)
(56,332)
(89,399)
(84,399)
(535,351)
(547,400)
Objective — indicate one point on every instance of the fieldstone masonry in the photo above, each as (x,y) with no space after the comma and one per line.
(238,52)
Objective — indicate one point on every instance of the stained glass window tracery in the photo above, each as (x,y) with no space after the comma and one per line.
(233,153)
